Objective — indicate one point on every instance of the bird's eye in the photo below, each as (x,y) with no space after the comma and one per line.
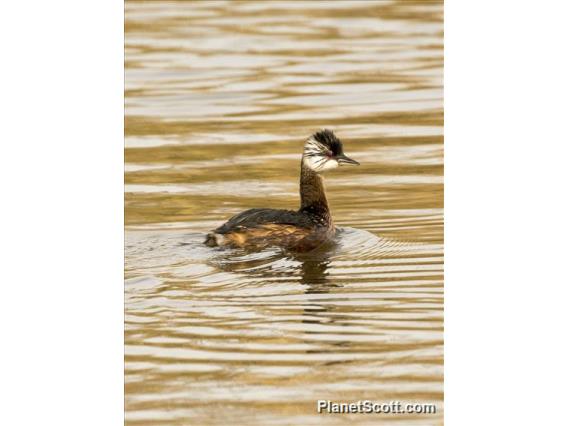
(329,154)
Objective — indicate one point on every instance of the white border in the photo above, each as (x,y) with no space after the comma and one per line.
(506,212)
(61,312)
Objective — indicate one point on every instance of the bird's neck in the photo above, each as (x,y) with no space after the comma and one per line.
(312,194)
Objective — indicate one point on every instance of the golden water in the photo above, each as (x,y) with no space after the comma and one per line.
(220,97)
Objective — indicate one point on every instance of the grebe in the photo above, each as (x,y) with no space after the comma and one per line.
(301,230)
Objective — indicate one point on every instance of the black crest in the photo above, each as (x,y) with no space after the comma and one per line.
(327,138)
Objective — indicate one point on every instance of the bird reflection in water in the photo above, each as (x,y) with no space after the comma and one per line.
(312,271)
(315,275)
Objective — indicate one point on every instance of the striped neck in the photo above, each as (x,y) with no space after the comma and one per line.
(312,194)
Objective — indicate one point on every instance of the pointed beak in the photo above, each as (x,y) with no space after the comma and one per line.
(344,159)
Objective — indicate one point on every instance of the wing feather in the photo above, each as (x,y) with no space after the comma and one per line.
(255,218)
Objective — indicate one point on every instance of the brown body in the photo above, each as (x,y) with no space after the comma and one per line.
(287,236)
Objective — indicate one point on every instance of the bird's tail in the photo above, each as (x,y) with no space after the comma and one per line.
(211,240)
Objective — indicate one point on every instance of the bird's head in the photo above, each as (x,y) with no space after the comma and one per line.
(324,151)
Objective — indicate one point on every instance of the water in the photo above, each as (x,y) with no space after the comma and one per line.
(220,97)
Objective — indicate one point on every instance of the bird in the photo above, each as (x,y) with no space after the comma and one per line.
(299,230)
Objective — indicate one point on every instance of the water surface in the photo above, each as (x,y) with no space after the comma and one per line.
(220,97)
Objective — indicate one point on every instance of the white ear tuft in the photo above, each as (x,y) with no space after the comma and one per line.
(320,163)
